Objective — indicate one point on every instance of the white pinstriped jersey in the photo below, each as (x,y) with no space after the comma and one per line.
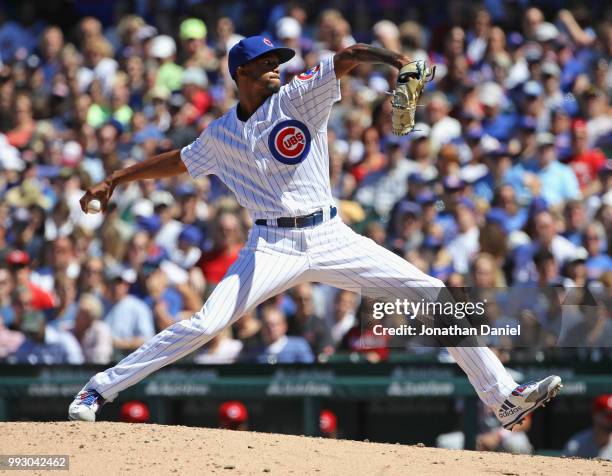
(276,162)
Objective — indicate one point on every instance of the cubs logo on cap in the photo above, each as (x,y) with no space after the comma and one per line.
(253,47)
(309,73)
(289,142)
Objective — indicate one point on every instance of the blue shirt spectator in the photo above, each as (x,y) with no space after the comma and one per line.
(558,182)
(278,347)
(129,318)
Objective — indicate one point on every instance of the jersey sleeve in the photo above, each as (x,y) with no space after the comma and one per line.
(313,92)
(199,157)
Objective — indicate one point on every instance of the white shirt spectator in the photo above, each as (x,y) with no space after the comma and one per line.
(444,131)
(463,248)
(64,339)
(97,343)
(225,353)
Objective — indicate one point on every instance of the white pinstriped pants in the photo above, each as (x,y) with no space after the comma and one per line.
(276,259)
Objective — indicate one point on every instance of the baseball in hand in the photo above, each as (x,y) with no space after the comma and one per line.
(94,206)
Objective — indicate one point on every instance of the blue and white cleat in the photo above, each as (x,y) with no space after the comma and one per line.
(526,398)
(85,405)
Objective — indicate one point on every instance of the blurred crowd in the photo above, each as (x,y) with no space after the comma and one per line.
(506,180)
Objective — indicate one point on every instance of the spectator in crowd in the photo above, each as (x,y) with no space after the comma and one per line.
(547,268)
(443,127)
(165,301)
(380,190)
(91,279)
(486,272)
(19,265)
(169,74)
(64,314)
(464,246)
(361,340)
(10,340)
(278,347)
(407,232)
(420,156)
(221,349)
(196,53)
(227,243)
(289,31)
(304,323)
(586,161)
(598,261)
(373,159)
(545,236)
(44,344)
(94,335)
(344,318)
(558,181)
(575,221)
(247,330)
(188,248)
(594,442)
(6,288)
(129,318)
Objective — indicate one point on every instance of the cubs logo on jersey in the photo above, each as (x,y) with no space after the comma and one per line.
(309,73)
(289,142)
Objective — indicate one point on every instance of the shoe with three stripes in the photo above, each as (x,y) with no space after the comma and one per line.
(526,398)
(85,405)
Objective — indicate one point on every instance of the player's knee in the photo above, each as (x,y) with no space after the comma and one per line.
(196,321)
(208,324)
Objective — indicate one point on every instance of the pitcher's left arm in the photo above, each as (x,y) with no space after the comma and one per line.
(349,58)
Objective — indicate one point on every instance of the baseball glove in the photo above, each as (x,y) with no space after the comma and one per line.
(410,84)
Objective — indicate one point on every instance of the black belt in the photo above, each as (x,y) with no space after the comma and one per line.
(299,222)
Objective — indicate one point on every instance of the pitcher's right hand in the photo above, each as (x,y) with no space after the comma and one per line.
(102,191)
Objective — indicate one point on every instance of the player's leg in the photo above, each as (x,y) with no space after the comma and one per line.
(347,260)
(253,278)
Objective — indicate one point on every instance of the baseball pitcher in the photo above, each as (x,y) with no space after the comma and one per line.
(271,151)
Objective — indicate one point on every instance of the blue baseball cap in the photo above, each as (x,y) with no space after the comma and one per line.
(417,178)
(150,224)
(253,47)
(150,132)
(411,208)
(425,198)
(431,241)
(466,202)
(191,235)
(499,217)
(185,190)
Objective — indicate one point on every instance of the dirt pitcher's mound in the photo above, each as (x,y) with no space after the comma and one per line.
(117,448)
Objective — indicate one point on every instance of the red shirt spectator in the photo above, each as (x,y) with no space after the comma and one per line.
(373,159)
(19,263)
(41,299)
(365,341)
(226,247)
(585,162)
(215,263)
